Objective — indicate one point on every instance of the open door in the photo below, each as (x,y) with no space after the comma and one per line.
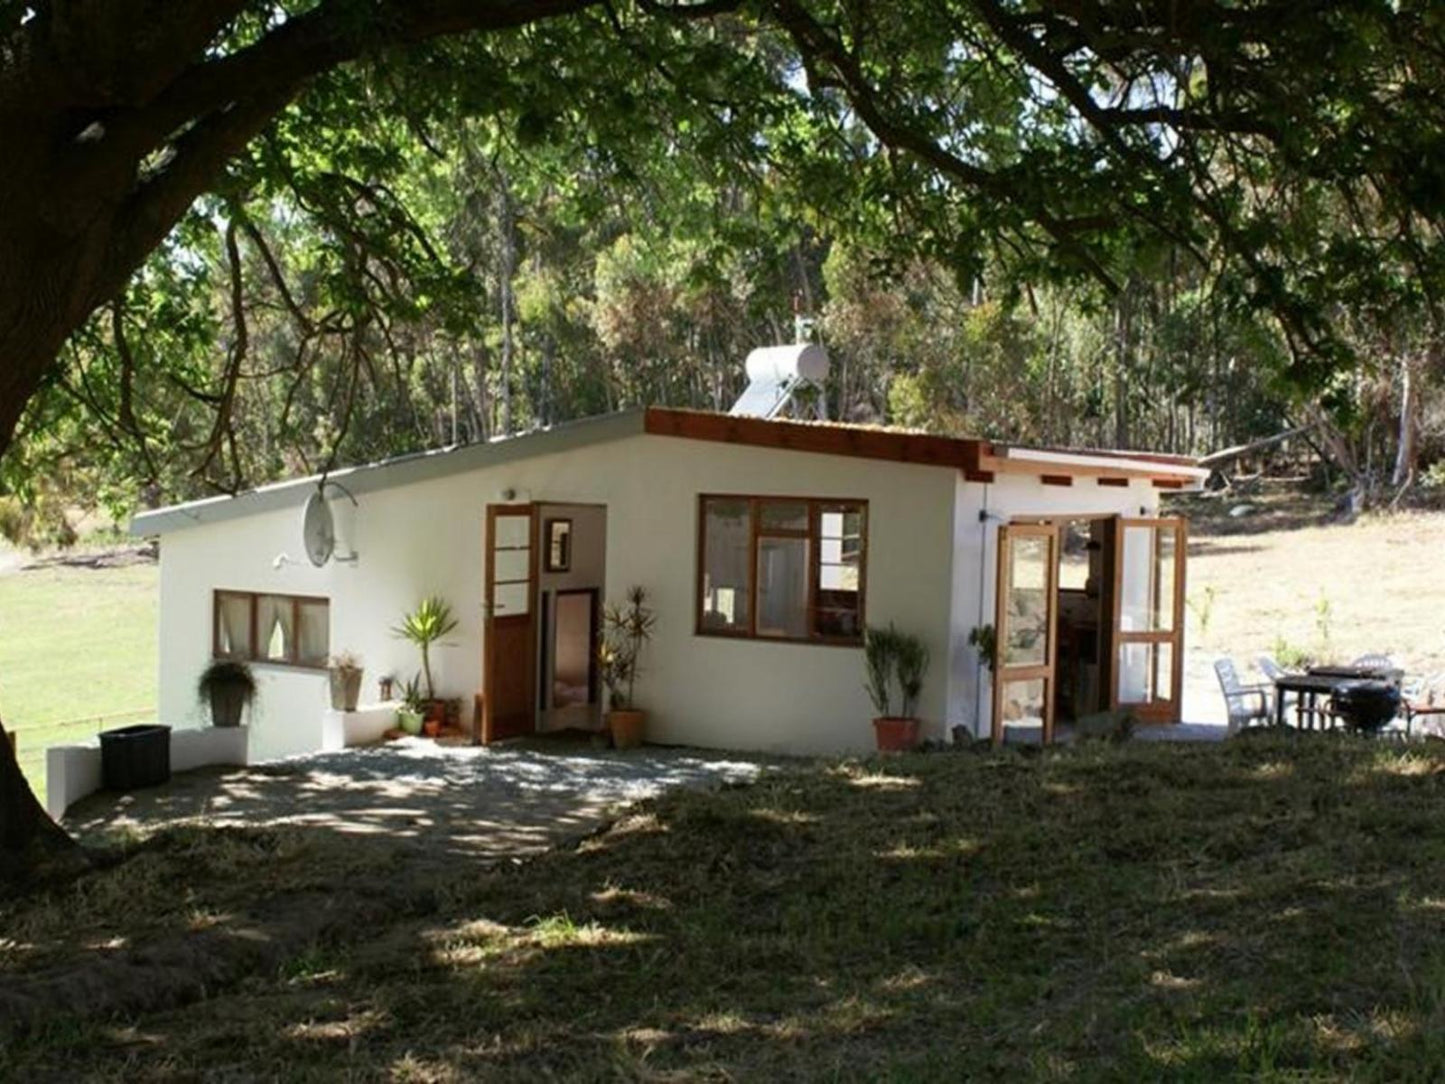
(1147,655)
(1025,622)
(509,623)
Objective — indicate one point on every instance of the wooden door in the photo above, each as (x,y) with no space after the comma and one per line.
(1025,624)
(1147,652)
(509,623)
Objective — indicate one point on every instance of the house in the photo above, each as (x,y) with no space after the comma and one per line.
(766,546)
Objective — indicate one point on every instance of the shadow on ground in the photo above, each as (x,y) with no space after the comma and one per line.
(1261,908)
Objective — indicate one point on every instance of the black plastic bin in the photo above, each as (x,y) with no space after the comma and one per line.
(135,756)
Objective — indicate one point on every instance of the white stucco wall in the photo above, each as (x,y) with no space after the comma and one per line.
(976,547)
(706,691)
(925,550)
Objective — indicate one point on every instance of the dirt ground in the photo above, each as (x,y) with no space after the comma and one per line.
(1287,570)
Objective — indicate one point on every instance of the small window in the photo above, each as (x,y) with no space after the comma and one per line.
(290,630)
(782,568)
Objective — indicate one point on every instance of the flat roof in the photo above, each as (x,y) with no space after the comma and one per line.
(979,460)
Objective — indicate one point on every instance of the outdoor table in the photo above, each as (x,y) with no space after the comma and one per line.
(1322,681)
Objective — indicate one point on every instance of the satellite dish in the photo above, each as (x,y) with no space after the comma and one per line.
(318,531)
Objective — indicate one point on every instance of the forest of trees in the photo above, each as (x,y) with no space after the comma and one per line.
(431,251)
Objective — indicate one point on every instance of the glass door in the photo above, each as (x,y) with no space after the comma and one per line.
(1148,634)
(1025,620)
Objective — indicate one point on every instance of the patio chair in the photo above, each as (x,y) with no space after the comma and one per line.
(1417,700)
(1246,704)
(1375,662)
(1271,670)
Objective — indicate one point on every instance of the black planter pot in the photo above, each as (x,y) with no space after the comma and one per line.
(227,704)
(135,756)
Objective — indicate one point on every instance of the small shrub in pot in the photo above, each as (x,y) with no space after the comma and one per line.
(227,685)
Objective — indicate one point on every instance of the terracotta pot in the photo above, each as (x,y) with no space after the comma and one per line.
(431,728)
(626,728)
(894,734)
(345,688)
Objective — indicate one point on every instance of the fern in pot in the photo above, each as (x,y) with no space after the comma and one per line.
(227,685)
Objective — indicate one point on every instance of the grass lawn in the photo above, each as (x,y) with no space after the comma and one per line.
(76,643)
(1266,909)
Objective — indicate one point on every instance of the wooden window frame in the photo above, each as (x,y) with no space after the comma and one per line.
(252,599)
(813,536)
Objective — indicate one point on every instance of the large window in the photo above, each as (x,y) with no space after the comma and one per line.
(292,630)
(782,568)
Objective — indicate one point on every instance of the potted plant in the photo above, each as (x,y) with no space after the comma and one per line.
(984,640)
(426,625)
(891,657)
(228,686)
(345,672)
(626,629)
(409,715)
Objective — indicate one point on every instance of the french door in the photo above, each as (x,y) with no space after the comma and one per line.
(509,623)
(1025,624)
(1146,656)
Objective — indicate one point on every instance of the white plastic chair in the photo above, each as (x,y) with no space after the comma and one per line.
(1246,704)
(1375,662)
(1271,670)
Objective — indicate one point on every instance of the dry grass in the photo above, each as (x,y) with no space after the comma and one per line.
(1379,579)
(1266,908)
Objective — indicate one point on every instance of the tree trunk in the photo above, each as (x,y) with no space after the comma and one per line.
(32,846)
(1404,472)
(507,228)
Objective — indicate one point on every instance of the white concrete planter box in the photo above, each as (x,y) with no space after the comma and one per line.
(363,726)
(73,771)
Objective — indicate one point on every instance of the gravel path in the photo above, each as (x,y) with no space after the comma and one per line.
(446,800)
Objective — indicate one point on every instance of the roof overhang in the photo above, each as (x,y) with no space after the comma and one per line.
(402,470)
(1166,472)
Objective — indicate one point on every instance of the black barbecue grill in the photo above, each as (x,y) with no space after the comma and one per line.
(1366,705)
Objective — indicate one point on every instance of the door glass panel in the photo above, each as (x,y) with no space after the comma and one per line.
(782,587)
(1028,603)
(512,532)
(512,564)
(1136,596)
(511,599)
(1146,673)
(1166,548)
(1021,703)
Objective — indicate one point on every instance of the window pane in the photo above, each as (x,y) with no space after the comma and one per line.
(727,534)
(274,628)
(1027,642)
(783,587)
(784,515)
(313,638)
(840,573)
(233,625)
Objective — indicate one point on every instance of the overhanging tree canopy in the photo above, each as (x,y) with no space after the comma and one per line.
(1299,144)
